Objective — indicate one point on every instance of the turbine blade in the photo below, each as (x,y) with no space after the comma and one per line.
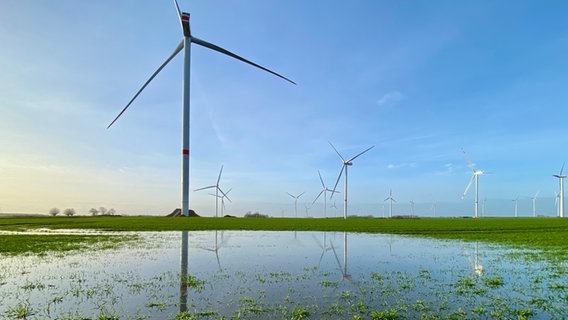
(468,161)
(301,194)
(205,188)
(227,195)
(337,153)
(177,8)
(176,51)
(469,185)
(336,182)
(290,195)
(219,178)
(562,169)
(360,154)
(322,184)
(224,51)
(316,199)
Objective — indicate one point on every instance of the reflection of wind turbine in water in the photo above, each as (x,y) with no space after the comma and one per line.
(323,246)
(344,274)
(185,45)
(183,272)
(216,248)
(477,268)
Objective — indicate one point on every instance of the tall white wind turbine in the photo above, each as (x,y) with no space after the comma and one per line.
(346,163)
(323,191)
(561,192)
(476,174)
(217,189)
(412,207)
(390,199)
(185,44)
(534,202)
(295,201)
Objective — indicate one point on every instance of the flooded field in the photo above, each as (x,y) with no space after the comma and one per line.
(288,275)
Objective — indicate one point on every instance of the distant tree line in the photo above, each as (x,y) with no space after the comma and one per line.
(249,214)
(93,211)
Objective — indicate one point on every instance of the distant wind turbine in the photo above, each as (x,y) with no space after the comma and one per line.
(476,174)
(295,201)
(561,193)
(346,163)
(217,189)
(323,191)
(412,207)
(483,207)
(516,201)
(434,206)
(534,202)
(390,199)
(223,197)
(185,44)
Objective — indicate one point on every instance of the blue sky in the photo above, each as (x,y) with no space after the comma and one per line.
(419,80)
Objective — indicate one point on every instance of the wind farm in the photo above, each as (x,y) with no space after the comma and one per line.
(98,112)
(273,135)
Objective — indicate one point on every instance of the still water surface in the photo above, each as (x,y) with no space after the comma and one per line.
(258,275)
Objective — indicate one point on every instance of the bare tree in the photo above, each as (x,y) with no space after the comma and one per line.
(69,212)
(111,212)
(102,210)
(93,211)
(54,211)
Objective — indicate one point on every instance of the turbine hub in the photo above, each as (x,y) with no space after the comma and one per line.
(349,163)
(185,24)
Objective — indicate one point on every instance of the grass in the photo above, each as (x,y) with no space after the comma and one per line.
(537,233)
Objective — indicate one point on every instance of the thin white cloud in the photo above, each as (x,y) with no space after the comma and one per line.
(390,98)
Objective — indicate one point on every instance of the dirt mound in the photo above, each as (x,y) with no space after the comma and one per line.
(177,213)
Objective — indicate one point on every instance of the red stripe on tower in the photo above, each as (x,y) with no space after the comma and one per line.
(185,17)
(185,151)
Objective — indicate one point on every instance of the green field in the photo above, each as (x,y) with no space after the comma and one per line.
(549,234)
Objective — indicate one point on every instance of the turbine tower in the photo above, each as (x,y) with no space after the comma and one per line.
(323,191)
(516,201)
(346,163)
(534,203)
(217,189)
(412,207)
(390,199)
(185,44)
(561,193)
(295,201)
(476,174)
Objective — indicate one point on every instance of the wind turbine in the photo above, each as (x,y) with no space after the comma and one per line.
(534,202)
(185,44)
(295,201)
(346,163)
(516,201)
(217,189)
(483,207)
(476,174)
(323,191)
(223,197)
(561,194)
(411,207)
(390,199)
(434,206)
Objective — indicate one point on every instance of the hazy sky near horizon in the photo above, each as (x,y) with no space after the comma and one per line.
(419,80)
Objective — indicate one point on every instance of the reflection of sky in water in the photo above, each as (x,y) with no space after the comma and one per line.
(280,271)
